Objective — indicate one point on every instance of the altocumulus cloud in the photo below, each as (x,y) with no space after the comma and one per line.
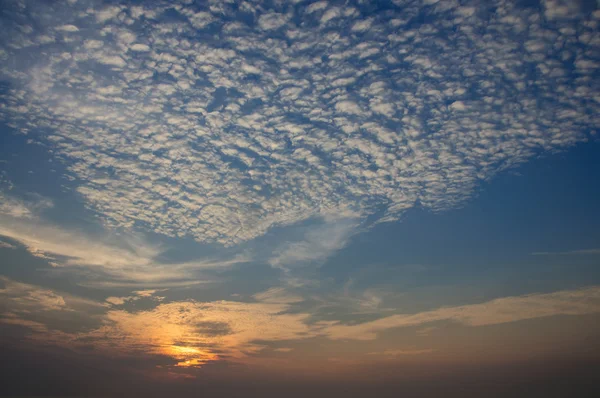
(220,120)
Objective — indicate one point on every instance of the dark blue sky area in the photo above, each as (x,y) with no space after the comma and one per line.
(547,205)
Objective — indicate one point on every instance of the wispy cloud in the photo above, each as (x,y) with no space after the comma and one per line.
(23,208)
(406,352)
(317,244)
(498,311)
(6,245)
(25,298)
(121,258)
(277,295)
(568,253)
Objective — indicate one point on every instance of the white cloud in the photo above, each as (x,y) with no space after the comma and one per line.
(29,297)
(76,247)
(330,14)
(199,20)
(503,310)
(125,259)
(23,298)
(277,295)
(14,208)
(68,28)
(317,245)
(23,208)
(559,9)
(191,333)
(458,106)
(214,154)
(348,107)
(189,330)
(140,47)
(410,352)
(6,245)
(567,253)
(272,21)
(317,6)
(93,44)
(107,13)
(117,300)
(113,60)
(362,26)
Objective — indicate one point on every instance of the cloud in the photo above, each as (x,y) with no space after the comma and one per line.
(107,13)
(330,14)
(112,60)
(272,21)
(221,141)
(457,106)
(362,26)
(145,293)
(494,312)
(14,208)
(316,6)
(192,333)
(121,260)
(117,300)
(6,245)
(140,47)
(560,9)
(76,249)
(317,244)
(68,28)
(138,294)
(228,329)
(22,298)
(283,349)
(568,253)
(277,295)
(410,352)
(23,208)
(189,332)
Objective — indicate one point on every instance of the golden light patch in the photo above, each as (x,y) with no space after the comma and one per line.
(189,356)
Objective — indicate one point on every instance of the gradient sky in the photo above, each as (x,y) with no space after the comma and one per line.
(292,198)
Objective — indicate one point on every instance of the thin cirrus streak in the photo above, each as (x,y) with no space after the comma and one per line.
(124,260)
(210,126)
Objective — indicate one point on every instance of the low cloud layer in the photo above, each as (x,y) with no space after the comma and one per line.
(191,333)
(502,310)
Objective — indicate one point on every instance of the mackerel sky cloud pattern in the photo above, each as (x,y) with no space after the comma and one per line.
(221,120)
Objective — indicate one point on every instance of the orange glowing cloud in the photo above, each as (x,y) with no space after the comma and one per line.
(194,333)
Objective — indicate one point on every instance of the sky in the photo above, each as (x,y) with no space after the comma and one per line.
(330,198)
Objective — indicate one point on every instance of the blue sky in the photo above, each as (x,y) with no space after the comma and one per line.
(282,186)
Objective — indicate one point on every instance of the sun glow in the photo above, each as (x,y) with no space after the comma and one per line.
(189,356)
